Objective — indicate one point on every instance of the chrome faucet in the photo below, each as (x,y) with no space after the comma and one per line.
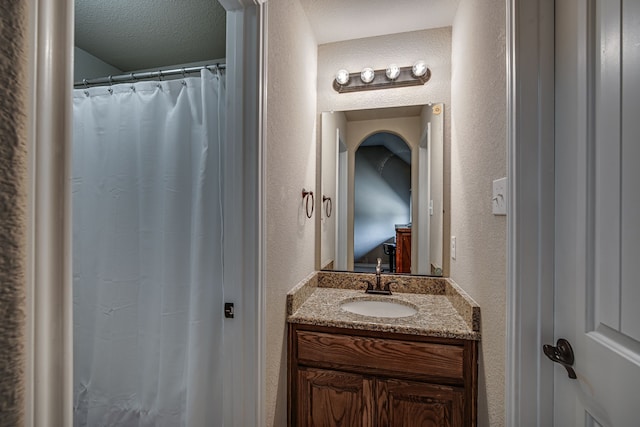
(378,289)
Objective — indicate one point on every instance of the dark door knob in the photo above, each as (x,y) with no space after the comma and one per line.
(562,353)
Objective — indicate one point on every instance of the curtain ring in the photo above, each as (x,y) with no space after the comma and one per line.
(110,80)
(328,206)
(86,85)
(306,195)
(159,75)
(183,73)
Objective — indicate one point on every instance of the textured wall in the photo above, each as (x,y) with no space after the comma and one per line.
(478,156)
(13,219)
(291,165)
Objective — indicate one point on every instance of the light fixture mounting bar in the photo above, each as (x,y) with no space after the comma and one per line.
(380,81)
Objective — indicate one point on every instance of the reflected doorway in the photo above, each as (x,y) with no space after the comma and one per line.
(382,199)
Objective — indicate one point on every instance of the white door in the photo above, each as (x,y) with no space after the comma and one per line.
(597,246)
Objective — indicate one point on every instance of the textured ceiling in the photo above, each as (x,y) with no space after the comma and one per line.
(141,34)
(339,20)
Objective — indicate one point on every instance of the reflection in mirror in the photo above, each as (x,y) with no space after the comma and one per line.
(384,169)
(382,199)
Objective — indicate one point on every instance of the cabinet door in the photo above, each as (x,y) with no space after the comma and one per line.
(403,403)
(333,399)
(403,250)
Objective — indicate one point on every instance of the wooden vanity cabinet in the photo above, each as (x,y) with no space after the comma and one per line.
(350,378)
(403,250)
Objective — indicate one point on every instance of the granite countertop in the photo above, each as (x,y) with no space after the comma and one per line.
(443,309)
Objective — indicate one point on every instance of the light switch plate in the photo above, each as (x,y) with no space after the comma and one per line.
(499,197)
(453,247)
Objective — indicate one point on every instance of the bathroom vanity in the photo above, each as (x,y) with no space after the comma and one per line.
(350,369)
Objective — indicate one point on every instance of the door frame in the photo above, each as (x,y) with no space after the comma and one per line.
(530,206)
(49,307)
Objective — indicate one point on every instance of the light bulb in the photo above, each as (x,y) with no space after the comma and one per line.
(393,71)
(419,69)
(367,75)
(342,77)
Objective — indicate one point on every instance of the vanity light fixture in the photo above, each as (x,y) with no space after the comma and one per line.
(342,77)
(393,71)
(419,69)
(367,75)
(392,76)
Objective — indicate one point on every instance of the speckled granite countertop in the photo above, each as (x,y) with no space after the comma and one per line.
(444,310)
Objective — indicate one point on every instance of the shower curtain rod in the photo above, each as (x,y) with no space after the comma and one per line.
(129,77)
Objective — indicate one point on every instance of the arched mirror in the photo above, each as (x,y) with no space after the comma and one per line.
(381,199)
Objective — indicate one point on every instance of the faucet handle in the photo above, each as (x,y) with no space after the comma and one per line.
(387,286)
(368,283)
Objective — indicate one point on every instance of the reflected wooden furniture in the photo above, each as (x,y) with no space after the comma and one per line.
(356,378)
(403,250)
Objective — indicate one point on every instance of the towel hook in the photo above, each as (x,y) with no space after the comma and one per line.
(328,205)
(306,196)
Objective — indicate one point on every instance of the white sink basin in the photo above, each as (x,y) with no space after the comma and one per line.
(378,308)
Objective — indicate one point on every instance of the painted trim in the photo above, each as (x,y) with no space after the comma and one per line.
(530,219)
(244,203)
(261,386)
(49,297)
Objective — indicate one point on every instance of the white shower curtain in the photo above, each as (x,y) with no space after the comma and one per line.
(147,260)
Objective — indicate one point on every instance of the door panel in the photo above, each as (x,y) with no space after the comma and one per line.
(607,161)
(630,293)
(598,210)
(404,403)
(333,399)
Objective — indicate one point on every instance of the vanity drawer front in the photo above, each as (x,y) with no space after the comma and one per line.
(390,355)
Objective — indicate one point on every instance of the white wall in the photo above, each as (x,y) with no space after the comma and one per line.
(87,66)
(291,165)
(478,156)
